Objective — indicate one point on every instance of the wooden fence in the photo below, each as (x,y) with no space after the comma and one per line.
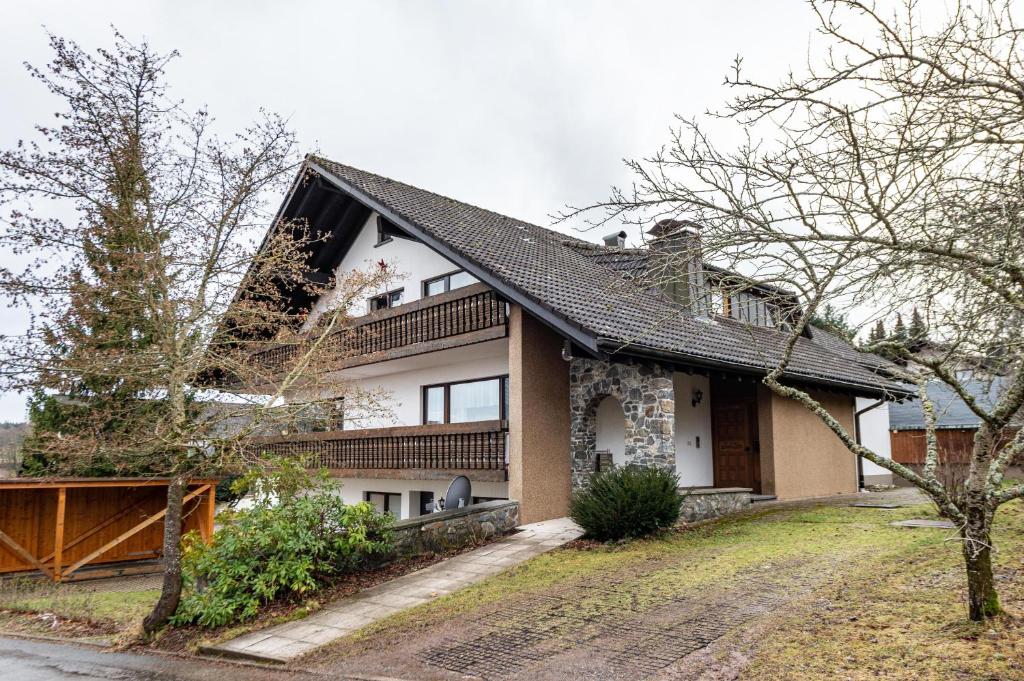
(955,445)
(59,525)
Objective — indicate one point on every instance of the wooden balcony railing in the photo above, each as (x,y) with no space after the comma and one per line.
(419,326)
(462,446)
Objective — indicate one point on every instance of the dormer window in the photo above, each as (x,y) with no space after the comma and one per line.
(387,300)
(753,309)
(447,282)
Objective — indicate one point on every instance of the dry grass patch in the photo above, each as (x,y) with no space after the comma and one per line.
(905,618)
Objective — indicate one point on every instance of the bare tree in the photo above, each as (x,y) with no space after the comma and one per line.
(885,177)
(139,229)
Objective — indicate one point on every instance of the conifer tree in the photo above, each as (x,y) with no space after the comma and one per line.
(899,330)
(918,331)
(133,288)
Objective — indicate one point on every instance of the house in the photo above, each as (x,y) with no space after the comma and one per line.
(871,415)
(955,423)
(524,358)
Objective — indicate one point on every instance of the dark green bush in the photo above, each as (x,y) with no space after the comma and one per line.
(633,501)
(276,551)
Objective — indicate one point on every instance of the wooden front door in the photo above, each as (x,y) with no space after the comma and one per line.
(734,436)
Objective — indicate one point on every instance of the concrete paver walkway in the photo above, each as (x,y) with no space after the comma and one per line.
(292,639)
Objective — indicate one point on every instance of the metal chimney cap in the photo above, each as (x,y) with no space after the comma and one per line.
(616,239)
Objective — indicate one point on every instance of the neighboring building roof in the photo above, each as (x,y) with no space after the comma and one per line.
(582,292)
(951,411)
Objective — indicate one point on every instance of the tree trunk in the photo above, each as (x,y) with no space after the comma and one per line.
(171,591)
(982,599)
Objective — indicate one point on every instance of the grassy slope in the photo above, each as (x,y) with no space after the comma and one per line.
(893,596)
(110,612)
(120,608)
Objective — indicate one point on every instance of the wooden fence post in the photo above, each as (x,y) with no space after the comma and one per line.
(58,539)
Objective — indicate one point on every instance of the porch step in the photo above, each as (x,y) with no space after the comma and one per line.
(754,498)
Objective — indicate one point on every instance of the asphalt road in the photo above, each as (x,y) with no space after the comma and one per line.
(25,660)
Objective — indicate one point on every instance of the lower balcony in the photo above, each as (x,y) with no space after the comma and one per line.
(478,450)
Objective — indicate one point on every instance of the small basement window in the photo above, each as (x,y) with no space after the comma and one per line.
(387,300)
(447,282)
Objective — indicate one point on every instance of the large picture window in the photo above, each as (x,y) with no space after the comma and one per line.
(447,282)
(465,401)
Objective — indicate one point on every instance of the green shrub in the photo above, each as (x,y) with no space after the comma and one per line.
(276,551)
(633,501)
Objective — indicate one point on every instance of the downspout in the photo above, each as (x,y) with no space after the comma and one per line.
(856,435)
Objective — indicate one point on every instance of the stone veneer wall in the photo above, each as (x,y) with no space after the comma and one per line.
(454,528)
(704,504)
(648,402)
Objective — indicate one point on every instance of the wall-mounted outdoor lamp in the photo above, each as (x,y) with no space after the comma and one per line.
(697,397)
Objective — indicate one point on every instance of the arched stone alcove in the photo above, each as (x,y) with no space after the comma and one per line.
(648,402)
(611,430)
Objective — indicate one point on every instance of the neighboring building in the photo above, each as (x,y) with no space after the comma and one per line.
(956,424)
(518,355)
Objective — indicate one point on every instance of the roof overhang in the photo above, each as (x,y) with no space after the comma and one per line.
(696,361)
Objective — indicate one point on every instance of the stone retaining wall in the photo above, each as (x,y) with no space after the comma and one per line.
(455,528)
(707,503)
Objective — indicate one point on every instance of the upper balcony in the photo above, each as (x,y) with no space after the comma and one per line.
(468,315)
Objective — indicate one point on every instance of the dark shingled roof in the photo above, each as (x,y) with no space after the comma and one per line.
(588,294)
(950,410)
(845,349)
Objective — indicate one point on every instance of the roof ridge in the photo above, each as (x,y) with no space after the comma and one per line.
(551,233)
(602,248)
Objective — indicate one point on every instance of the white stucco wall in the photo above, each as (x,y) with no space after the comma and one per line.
(401,381)
(611,429)
(352,490)
(404,391)
(411,261)
(874,433)
(694,463)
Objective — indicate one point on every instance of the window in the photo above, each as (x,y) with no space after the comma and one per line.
(447,282)
(336,417)
(434,404)
(717,301)
(332,417)
(426,500)
(382,236)
(386,300)
(385,502)
(754,309)
(480,400)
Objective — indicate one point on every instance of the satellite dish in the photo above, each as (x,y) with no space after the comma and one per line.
(459,493)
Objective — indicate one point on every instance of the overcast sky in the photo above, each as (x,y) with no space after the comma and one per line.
(520,107)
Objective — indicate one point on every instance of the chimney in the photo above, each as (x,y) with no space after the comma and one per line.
(677,265)
(616,240)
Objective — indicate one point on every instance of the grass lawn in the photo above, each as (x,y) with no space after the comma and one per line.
(815,592)
(71,610)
